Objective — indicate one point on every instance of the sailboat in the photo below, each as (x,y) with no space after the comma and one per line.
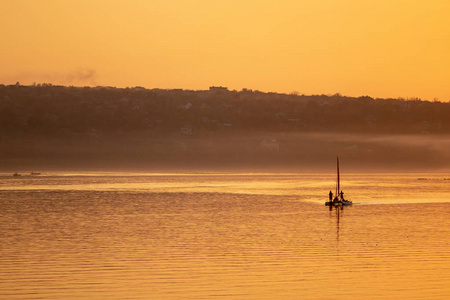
(338,199)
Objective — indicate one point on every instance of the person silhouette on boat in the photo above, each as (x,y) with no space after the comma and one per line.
(342,195)
(331,195)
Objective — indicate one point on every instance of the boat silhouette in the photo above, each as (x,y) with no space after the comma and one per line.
(338,199)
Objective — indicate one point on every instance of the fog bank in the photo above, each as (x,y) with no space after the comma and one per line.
(293,152)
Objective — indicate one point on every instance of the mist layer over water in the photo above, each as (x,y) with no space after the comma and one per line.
(233,236)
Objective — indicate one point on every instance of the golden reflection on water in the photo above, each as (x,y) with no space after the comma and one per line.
(229,236)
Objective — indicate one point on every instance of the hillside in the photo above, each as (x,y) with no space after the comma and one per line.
(57,126)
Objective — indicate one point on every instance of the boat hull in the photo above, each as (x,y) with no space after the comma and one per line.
(338,203)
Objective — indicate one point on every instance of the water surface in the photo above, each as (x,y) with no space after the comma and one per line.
(231,236)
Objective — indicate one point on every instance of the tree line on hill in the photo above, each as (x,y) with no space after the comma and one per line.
(46,125)
(47,110)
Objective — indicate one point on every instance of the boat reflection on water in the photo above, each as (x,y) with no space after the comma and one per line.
(339,210)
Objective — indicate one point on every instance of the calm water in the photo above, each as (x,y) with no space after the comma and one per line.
(230,236)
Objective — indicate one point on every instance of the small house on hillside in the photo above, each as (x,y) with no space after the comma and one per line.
(188,130)
(271,145)
(218,89)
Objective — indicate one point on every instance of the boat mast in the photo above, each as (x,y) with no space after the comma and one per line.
(338,179)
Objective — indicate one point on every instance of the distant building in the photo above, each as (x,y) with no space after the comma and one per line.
(272,145)
(218,89)
(188,130)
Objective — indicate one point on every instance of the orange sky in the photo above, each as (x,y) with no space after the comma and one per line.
(380,48)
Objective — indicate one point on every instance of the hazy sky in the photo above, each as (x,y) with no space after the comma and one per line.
(380,48)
